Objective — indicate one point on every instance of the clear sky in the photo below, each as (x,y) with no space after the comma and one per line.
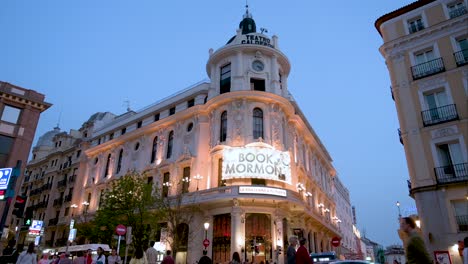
(91,56)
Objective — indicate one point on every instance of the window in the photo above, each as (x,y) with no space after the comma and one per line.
(154,150)
(170,141)
(106,171)
(189,127)
(415,25)
(149,180)
(6,143)
(190,103)
(461,56)
(139,124)
(451,162)
(156,117)
(10,114)
(223,127)
(172,111)
(166,184)
(460,208)
(186,180)
(257,123)
(122,132)
(426,64)
(225,80)
(456,9)
(221,182)
(111,136)
(280,80)
(119,161)
(424,56)
(436,105)
(78,153)
(257,84)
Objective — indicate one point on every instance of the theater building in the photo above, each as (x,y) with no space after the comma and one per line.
(237,145)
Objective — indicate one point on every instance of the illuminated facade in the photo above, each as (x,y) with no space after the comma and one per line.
(238,146)
(426,53)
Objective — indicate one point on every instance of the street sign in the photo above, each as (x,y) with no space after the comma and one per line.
(35,228)
(120,230)
(5,174)
(72,235)
(72,223)
(206,242)
(335,241)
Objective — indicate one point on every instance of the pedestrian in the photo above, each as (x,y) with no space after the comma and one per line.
(10,248)
(139,257)
(302,255)
(291,253)
(44,259)
(89,256)
(235,258)
(100,258)
(64,259)
(465,250)
(28,256)
(152,254)
(204,259)
(168,258)
(113,258)
(415,249)
(80,258)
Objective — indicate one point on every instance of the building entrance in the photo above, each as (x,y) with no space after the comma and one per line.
(258,244)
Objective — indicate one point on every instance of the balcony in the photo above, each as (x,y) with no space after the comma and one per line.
(461,57)
(391,91)
(62,183)
(58,202)
(72,179)
(46,186)
(428,68)
(452,174)
(439,115)
(399,136)
(460,11)
(68,198)
(53,221)
(462,222)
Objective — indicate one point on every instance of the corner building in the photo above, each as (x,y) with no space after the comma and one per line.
(426,53)
(238,146)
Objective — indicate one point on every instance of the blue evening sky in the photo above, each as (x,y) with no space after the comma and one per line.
(91,56)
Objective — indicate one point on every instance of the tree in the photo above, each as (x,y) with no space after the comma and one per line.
(128,201)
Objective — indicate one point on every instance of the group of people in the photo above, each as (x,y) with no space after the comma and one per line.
(299,256)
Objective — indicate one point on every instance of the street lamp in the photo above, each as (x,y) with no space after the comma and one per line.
(399,212)
(206,225)
(198,178)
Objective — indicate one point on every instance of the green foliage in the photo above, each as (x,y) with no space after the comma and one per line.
(127,201)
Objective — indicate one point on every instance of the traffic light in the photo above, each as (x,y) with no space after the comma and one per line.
(20,202)
(28,215)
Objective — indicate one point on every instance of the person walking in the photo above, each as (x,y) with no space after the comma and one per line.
(44,259)
(302,255)
(152,254)
(28,256)
(80,258)
(113,258)
(291,253)
(235,258)
(168,258)
(64,259)
(415,249)
(100,258)
(139,257)
(204,259)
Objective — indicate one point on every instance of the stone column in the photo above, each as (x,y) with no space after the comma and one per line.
(237,229)
(278,242)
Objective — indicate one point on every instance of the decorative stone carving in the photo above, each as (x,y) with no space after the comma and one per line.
(432,82)
(444,132)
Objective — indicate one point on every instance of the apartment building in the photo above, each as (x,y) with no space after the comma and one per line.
(426,53)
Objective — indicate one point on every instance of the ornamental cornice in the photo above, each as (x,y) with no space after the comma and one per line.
(396,48)
(41,106)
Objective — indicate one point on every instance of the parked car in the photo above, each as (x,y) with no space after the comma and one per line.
(323,258)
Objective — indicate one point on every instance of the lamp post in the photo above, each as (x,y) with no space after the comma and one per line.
(185,184)
(198,178)
(399,212)
(206,225)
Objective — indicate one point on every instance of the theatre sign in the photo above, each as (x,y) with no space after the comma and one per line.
(256,162)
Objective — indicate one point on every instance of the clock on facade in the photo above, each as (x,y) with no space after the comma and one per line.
(257,65)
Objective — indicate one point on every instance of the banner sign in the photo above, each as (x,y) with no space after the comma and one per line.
(262,190)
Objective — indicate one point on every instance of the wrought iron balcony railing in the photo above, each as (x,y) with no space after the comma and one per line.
(68,198)
(428,68)
(460,11)
(62,183)
(462,222)
(439,115)
(461,57)
(452,173)
(399,136)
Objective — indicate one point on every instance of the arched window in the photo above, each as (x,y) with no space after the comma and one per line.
(106,171)
(154,149)
(257,123)
(223,127)
(170,141)
(119,161)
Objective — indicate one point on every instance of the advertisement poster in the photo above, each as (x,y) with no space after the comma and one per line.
(442,257)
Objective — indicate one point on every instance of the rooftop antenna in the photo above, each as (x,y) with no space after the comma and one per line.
(59,118)
(127,103)
(247,15)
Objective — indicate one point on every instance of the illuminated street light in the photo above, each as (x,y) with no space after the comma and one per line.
(399,212)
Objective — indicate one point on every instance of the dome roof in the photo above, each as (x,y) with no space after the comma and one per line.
(247,25)
(46,139)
